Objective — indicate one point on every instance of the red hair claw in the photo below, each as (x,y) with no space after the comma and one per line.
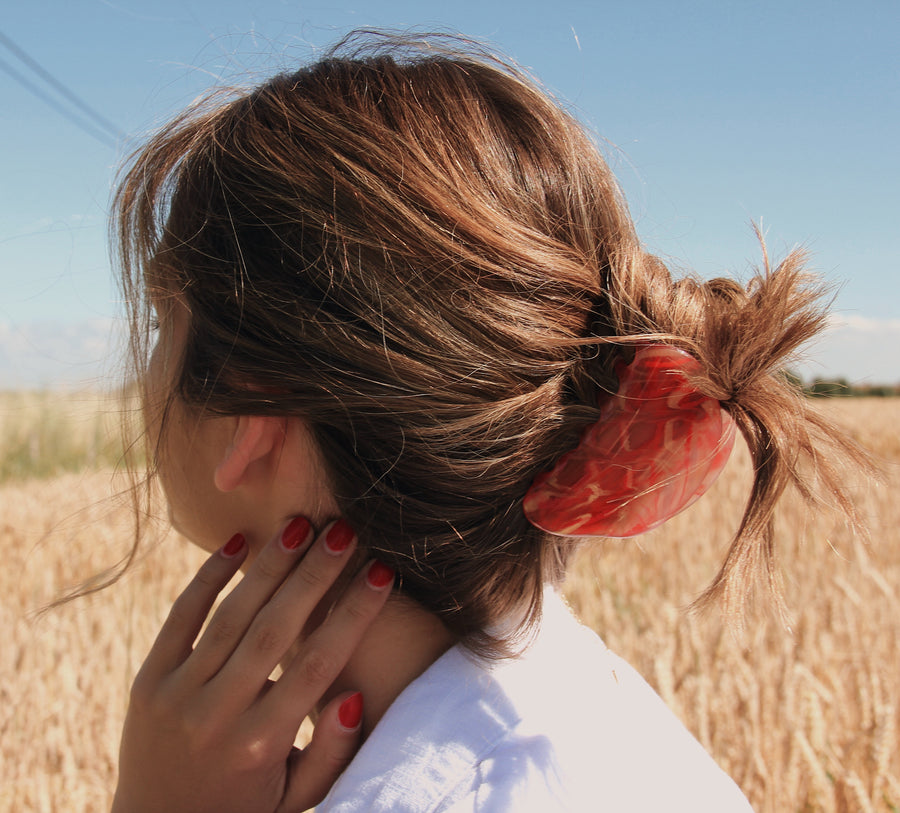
(659,445)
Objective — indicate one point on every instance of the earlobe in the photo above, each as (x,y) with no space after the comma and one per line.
(255,436)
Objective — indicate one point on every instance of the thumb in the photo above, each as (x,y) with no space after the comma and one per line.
(335,740)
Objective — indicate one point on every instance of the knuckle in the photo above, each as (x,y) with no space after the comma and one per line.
(224,629)
(153,703)
(208,577)
(255,752)
(357,609)
(180,614)
(141,695)
(196,732)
(267,638)
(168,711)
(337,760)
(318,667)
(268,569)
(154,697)
(312,576)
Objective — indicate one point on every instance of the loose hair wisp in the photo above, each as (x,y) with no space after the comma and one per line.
(415,250)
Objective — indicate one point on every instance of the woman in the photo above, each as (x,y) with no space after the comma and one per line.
(406,329)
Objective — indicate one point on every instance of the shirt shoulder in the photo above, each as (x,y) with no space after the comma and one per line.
(567,726)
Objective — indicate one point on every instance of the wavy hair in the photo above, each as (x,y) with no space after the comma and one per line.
(413,248)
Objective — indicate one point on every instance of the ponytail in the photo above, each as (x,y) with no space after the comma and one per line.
(744,338)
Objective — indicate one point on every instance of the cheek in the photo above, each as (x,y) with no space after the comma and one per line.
(157,385)
(181,445)
(163,367)
(175,481)
(190,451)
(182,480)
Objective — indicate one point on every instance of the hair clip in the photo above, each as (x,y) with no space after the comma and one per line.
(658,445)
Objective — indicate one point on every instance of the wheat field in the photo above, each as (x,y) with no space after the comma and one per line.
(805,718)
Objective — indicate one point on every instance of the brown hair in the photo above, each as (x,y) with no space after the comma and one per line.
(410,246)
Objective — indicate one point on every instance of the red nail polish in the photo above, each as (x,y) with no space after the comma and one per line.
(350,711)
(339,537)
(379,575)
(295,534)
(233,546)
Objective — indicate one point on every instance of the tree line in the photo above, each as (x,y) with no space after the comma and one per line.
(841,387)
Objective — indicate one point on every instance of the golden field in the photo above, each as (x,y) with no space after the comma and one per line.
(805,718)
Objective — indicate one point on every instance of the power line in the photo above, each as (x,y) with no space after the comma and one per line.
(109,129)
(32,88)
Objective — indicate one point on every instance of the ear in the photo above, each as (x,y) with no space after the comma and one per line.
(255,438)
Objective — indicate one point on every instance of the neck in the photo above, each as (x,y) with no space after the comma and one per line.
(402,642)
(399,645)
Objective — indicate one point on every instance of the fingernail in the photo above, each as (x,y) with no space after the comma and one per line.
(233,546)
(295,534)
(350,711)
(339,537)
(379,575)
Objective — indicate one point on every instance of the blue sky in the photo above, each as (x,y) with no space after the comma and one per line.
(713,115)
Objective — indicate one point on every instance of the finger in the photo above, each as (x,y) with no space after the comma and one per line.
(325,653)
(334,743)
(234,616)
(185,620)
(278,625)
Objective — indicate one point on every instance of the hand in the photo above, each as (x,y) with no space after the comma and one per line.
(206,729)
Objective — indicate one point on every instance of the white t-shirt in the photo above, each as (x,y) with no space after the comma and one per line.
(566,726)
